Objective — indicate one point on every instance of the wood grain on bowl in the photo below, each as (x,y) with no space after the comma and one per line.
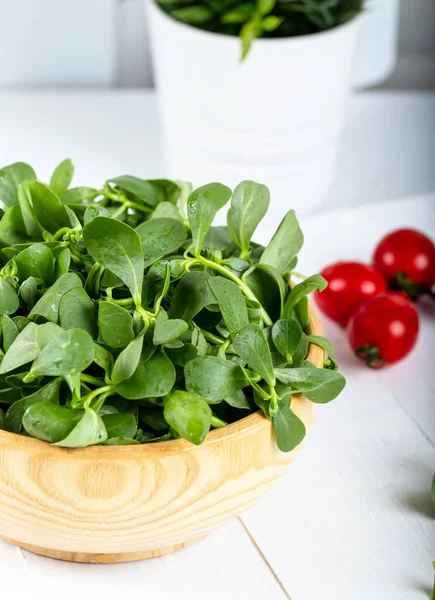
(114,504)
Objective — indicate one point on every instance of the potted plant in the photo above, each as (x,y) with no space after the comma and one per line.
(157,374)
(269,105)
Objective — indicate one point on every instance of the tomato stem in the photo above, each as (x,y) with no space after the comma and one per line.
(371,356)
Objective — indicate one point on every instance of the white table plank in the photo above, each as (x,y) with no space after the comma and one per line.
(223,565)
(352,519)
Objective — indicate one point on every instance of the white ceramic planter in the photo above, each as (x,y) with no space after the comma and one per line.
(376,54)
(275,118)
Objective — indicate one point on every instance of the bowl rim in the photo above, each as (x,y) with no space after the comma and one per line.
(252,421)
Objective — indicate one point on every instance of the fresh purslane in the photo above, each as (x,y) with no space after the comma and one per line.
(127,317)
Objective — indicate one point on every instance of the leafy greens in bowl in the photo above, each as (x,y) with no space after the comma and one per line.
(128,318)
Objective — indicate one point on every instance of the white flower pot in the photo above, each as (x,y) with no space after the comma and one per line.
(376,54)
(275,118)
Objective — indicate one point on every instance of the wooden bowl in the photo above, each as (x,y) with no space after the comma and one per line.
(113,504)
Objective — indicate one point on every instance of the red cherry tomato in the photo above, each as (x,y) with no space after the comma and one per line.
(406,258)
(384,329)
(349,284)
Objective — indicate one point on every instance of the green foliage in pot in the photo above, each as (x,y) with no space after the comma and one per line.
(263,18)
(127,317)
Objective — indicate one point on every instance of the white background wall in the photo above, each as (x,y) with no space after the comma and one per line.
(104,43)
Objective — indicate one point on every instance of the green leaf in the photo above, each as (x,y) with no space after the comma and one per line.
(23,350)
(251,345)
(160,237)
(12,227)
(48,305)
(248,33)
(47,207)
(62,264)
(36,261)
(193,15)
(285,244)
(96,210)
(166,190)
(73,220)
(14,415)
(46,333)
(79,195)
(168,331)
(90,430)
(191,295)
(318,385)
(188,414)
(10,178)
(289,429)
(103,358)
(202,206)
(127,362)
(231,303)
(9,301)
(268,287)
(219,239)
(50,422)
(271,23)
(121,425)
(32,227)
(153,417)
(116,325)
(62,177)
(238,400)
(144,190)
(287,336)
(166,210)
(239,14)
(76,310)
(213,378)
(328,347)
(265,6)
(118,248)
(181,356)
(28,291)
(249,204)
(71,352)
(152,379)
(119,441)
(9,331)
(299,292)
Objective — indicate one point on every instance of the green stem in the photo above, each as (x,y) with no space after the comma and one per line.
(244,288)
(223,349)
(298,275)
(60,233)
(147,317)
(217,423)
(125,201)
(123,301)
(140,207)
(100,401)
(90,379)
(86,400)
(212,338)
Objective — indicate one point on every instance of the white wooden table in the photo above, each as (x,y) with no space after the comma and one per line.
(352,519)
